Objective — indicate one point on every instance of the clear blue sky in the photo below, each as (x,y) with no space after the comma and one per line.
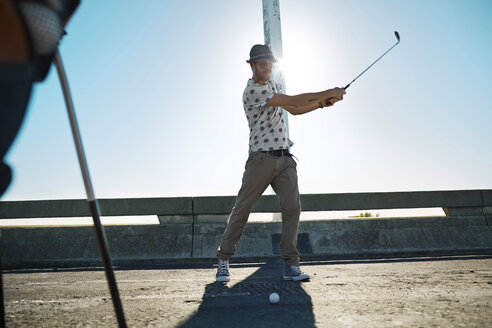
(157,87)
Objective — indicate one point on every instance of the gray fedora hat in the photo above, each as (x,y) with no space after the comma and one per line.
(260,52)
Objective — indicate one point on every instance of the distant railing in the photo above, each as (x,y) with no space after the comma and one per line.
(475,202)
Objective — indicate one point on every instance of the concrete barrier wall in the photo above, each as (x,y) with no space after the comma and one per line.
(25,247)
(183,239)
(194,231)
(353,237)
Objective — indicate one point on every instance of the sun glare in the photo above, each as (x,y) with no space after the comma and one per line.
(280,65)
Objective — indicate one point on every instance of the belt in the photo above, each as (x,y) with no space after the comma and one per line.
(278,153)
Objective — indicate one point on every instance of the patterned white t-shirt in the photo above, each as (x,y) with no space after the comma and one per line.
(267,129)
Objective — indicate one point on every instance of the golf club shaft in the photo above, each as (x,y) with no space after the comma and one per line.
(329,103)
(348,85)
(93,204)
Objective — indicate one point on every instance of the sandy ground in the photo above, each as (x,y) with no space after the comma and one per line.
(410,292)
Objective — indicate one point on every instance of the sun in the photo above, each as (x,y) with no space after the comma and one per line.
(287,68)
(279,65)
(282,66)
(301,67)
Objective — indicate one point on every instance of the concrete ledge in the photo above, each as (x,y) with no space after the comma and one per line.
(109,207)
(467,211)
(268,203)
(175,219)
(384,200)
(181,238)
(356,201)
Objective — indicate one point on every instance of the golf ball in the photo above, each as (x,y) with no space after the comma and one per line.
(274,298)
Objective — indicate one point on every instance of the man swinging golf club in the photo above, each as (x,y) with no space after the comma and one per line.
(270,161)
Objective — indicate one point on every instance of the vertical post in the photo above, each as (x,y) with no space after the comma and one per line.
(273,38)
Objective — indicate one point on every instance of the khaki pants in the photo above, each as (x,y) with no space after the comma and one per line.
(262,170)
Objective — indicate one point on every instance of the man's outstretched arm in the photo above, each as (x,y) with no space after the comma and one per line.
(306,102)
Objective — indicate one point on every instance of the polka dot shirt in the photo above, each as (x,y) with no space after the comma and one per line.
(267,129)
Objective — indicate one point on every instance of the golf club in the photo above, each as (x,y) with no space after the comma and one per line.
(91,199)
(329,103)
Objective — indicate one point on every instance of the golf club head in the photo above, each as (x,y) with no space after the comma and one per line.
(397,36)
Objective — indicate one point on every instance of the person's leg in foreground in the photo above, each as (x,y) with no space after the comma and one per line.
(256,178)
(287,189)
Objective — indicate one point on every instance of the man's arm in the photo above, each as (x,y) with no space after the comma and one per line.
(306,102)
(306,109)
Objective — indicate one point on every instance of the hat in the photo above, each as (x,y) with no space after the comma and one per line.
(260,52)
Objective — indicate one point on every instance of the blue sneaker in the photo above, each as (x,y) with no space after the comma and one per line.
(294,273)
(223,271)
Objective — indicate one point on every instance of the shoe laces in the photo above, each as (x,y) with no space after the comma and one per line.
(295,269)
(223,268)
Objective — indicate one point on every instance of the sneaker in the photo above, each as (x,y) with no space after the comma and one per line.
(293,272)
(223,271)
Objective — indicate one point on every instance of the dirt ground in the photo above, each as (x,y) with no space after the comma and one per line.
(408,292)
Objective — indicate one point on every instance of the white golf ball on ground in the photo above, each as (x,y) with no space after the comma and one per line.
(274,298)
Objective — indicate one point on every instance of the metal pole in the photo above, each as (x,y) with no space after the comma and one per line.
(273,38)
(93,204)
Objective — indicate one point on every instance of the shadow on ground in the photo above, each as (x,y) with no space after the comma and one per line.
(245,303)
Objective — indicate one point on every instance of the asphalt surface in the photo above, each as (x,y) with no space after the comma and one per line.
(408,292)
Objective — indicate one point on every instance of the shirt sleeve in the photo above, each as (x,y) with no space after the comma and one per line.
(258,95)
